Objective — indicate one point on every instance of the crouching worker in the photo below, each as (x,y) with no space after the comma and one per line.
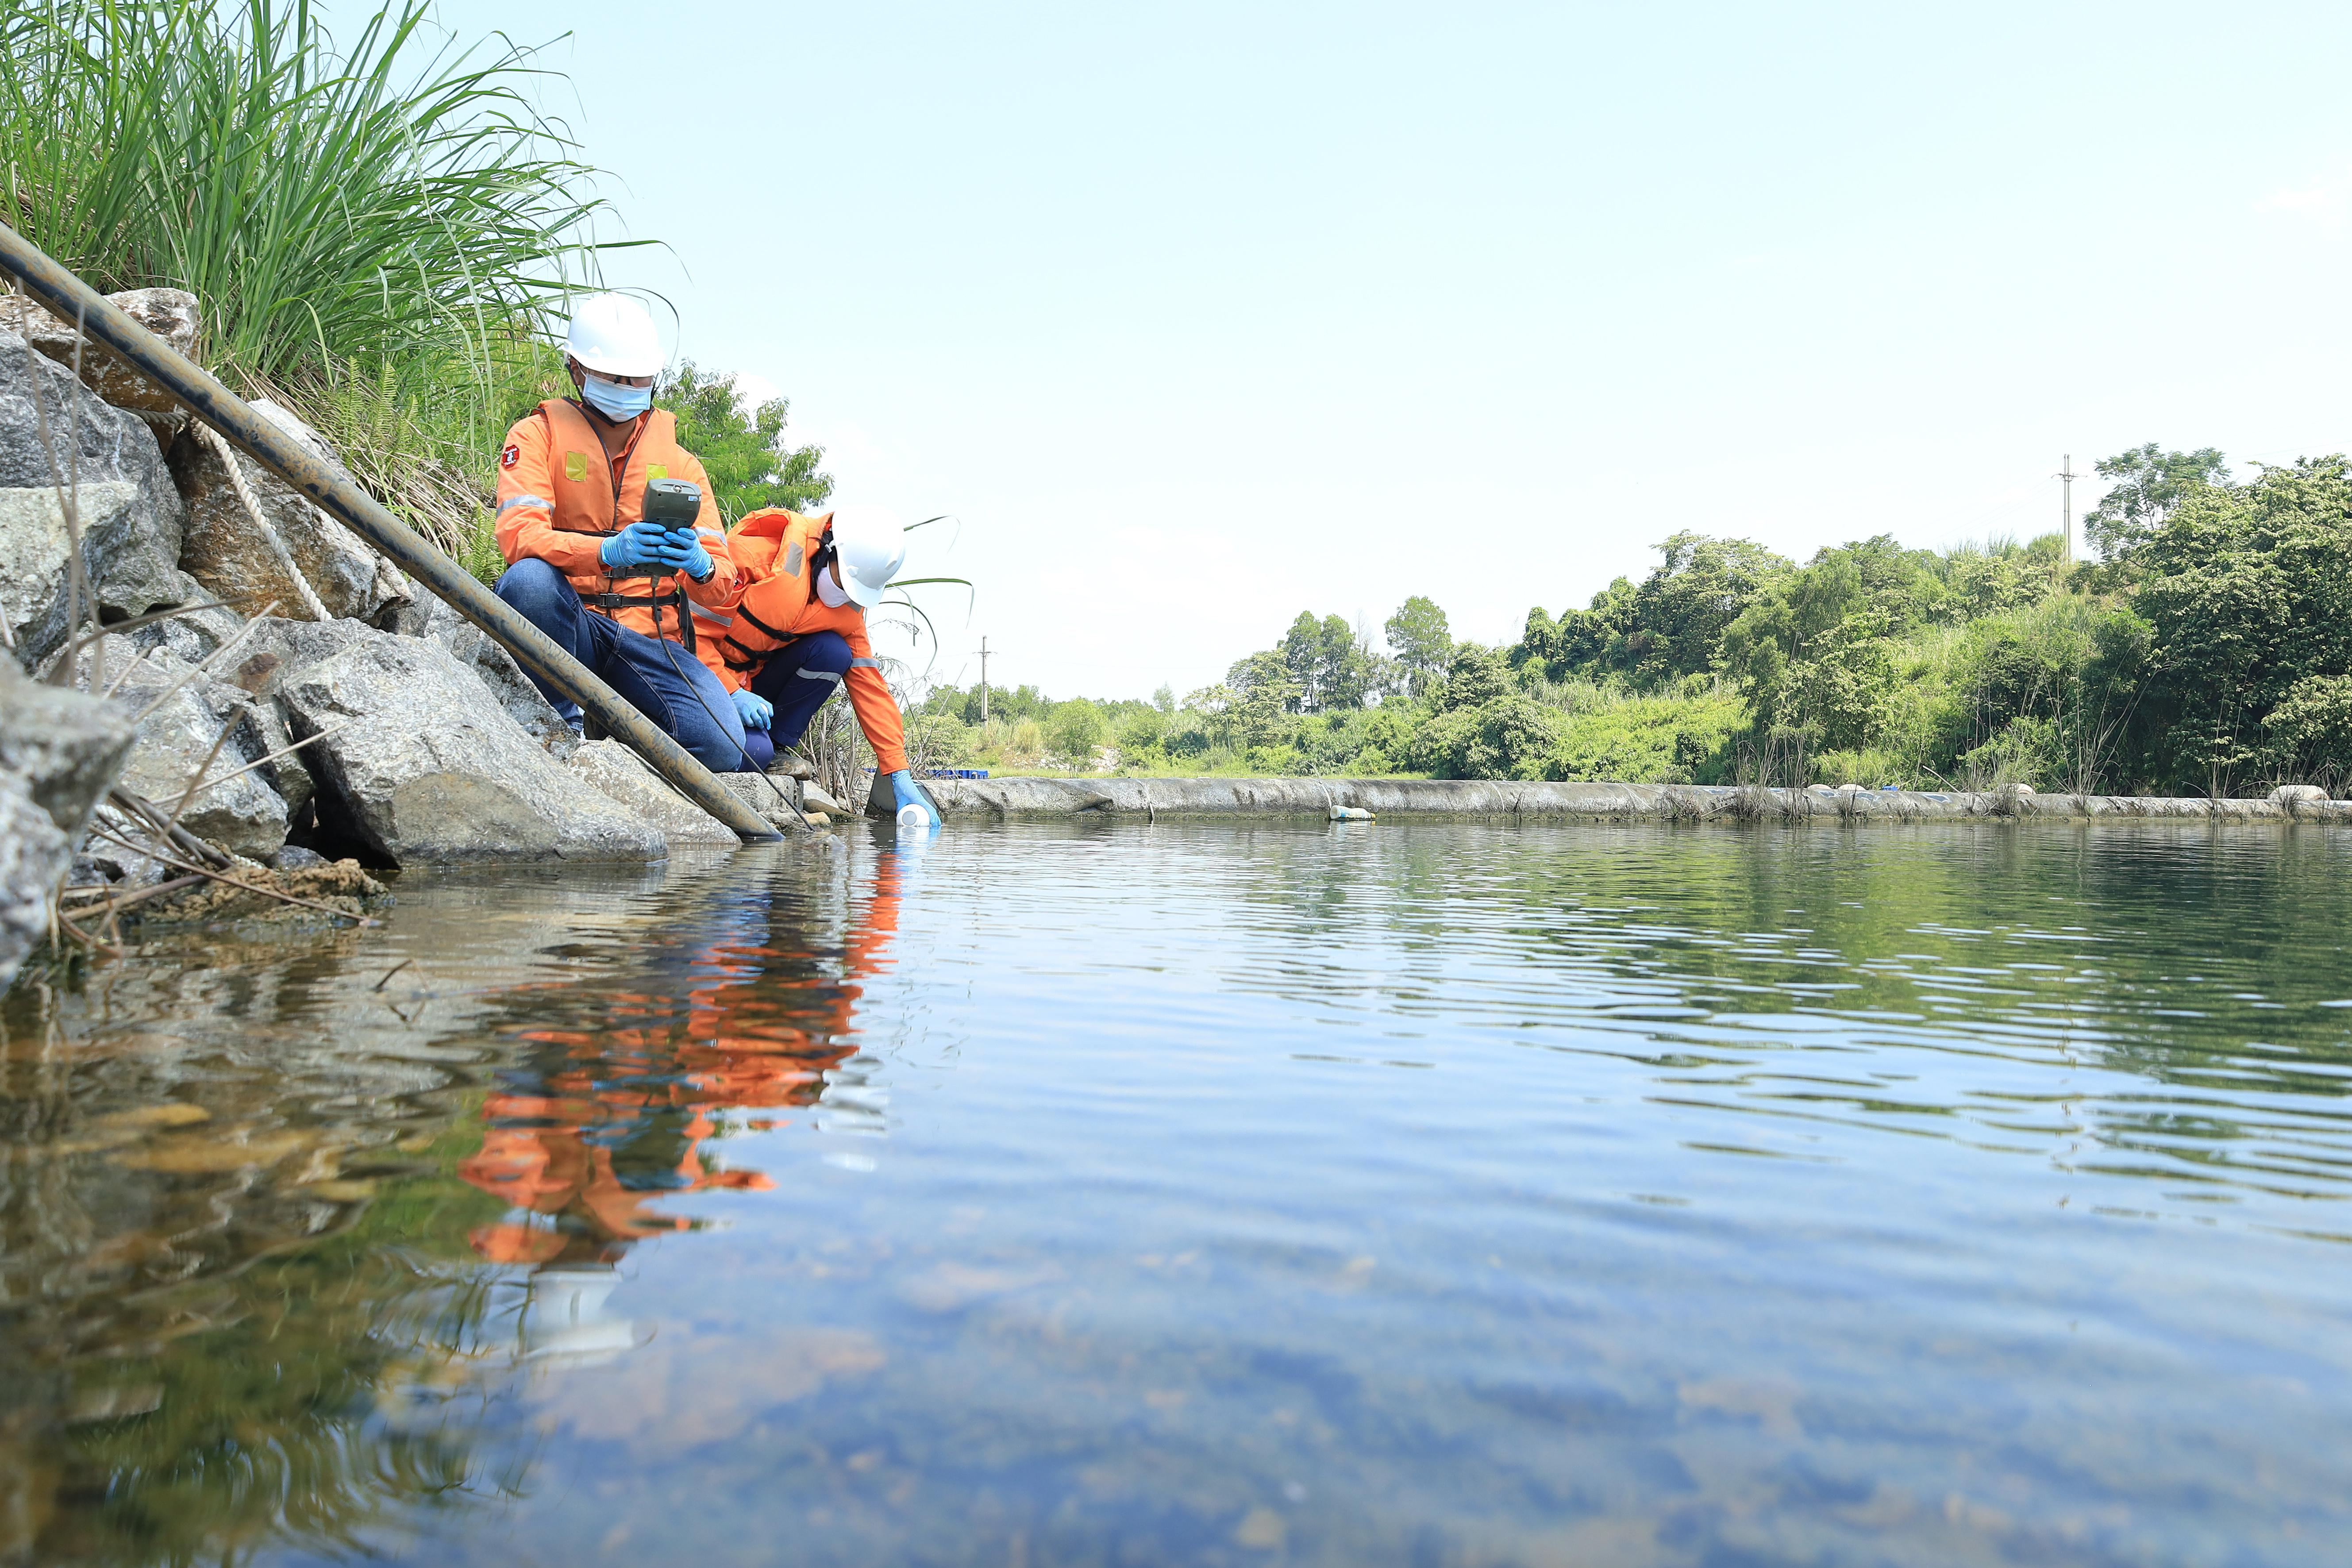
(619,593)
(798,632)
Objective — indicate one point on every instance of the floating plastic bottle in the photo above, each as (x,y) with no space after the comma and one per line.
(914,819)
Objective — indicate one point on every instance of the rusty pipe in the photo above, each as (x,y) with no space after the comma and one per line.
(68,297)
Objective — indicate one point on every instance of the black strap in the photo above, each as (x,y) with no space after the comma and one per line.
(654,602)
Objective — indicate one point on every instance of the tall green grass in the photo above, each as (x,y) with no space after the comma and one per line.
(376,226)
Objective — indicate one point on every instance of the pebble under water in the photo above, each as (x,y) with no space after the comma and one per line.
(1431,1194)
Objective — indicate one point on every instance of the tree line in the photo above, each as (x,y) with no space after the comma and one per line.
(2204,649)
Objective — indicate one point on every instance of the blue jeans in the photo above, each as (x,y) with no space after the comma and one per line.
(797,678)
(658,677)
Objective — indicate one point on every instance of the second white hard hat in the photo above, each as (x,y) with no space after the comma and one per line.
(868,548)
(613,333)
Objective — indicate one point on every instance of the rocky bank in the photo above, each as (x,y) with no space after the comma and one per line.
(281,694)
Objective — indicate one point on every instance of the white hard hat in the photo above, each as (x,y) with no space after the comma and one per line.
(613,333)
(868,548)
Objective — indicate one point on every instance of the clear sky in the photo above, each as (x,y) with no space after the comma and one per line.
(1196,317)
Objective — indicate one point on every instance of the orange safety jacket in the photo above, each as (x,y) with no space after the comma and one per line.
(773,549)
(559,498)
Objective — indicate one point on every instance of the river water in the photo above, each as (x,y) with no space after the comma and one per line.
(1114,1194)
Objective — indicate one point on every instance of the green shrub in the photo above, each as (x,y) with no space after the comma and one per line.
(1650,739)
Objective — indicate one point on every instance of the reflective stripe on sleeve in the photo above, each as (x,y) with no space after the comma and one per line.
(864,664)
(711,615)
(525,500)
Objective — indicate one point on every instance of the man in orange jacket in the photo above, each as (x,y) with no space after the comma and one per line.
(799,631)
(617,593)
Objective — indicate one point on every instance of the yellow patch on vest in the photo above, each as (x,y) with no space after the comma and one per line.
(575,466)
(657,471)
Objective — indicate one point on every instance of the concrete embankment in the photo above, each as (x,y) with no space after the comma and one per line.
(1399,798)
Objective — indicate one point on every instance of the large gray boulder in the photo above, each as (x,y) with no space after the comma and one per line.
(59,751)
(253,564)
(131,515)
(206,727)
(429,769)
(169,313)
(620,775)
(481,653)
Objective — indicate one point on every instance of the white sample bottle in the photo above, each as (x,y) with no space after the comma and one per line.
(913,819)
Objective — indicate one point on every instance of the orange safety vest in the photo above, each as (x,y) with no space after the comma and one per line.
(558,502)
(778,553)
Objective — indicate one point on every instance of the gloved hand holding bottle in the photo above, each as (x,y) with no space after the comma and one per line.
(646,548)
(756,709)
(907,793)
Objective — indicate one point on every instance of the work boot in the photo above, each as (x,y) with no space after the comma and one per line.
(792,765)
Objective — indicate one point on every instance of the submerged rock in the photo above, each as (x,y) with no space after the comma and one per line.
(427,767)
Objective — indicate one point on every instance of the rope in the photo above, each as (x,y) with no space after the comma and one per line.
(253,507)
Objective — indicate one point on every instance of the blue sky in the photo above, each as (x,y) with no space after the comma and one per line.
(1196,318)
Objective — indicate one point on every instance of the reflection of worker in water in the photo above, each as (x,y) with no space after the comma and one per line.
(592,1127)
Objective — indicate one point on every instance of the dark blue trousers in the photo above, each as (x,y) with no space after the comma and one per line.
(661,679)
(797,678)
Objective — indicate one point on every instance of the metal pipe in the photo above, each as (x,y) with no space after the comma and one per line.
(67,297)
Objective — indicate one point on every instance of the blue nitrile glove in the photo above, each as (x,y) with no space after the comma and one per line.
(902,785)
(757,710)
(642,549)
(697,563)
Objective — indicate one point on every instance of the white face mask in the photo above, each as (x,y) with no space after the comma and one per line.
(829,591)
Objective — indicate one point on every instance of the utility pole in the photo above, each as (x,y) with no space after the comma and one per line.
(983,680)
(2066,504)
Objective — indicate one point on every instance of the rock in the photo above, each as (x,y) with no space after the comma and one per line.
(169,313)
(294,857)
(126,868)
(132,518)
(792,764)
(428,768)
(475,648)
(34,856)
(64,747)
(2288,794)
(242,813)
(59,751)
(618,772)
(249,565)
(770,799)
(815,799)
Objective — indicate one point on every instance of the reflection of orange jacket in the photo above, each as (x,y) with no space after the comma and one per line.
(559,497)
(761,1037)
(772,549)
